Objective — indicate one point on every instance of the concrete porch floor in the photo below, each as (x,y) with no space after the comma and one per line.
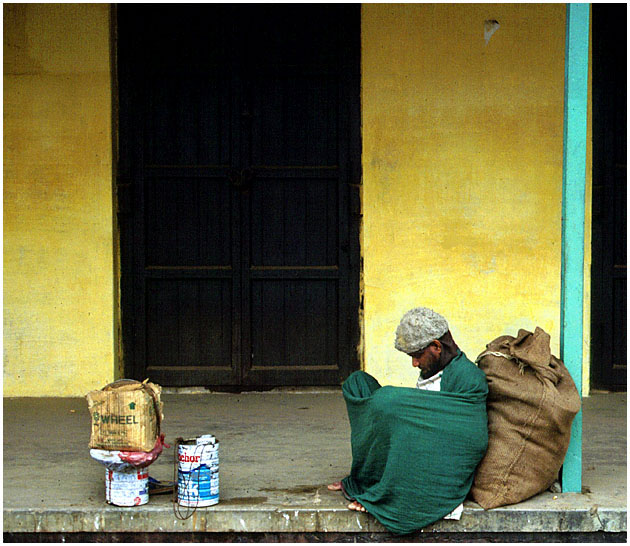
(278,450)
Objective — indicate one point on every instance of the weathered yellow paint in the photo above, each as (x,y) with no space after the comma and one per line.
(58,238)
(462,172)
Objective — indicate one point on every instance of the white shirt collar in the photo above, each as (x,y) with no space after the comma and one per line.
(430,384)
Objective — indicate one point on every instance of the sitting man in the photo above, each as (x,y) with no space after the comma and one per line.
(415,451)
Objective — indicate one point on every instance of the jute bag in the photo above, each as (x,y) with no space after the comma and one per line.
(531,404)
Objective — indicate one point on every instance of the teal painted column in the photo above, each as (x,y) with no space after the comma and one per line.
(573,190)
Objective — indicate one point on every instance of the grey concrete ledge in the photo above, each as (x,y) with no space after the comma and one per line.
(228,517)
(278,453)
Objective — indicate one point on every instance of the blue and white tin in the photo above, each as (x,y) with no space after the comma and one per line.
(127,488)
(198,471)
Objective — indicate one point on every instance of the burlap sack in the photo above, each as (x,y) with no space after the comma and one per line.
(531,404)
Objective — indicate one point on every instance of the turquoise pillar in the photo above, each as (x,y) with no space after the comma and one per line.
(573,191)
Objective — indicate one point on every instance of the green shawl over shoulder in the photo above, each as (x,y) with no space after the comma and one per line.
(414,452)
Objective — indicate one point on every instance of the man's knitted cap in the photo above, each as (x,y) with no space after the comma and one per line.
(418,328)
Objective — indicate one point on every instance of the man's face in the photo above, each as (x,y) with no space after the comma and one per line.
(427,359)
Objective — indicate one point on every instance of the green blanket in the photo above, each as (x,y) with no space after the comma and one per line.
(414,452)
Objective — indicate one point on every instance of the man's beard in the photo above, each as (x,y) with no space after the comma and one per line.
(434,368)
(449,352)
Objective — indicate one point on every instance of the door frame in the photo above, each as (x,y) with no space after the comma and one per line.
(603,373)
(350,355)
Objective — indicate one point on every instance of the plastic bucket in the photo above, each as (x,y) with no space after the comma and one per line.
(198,471)
(130,488)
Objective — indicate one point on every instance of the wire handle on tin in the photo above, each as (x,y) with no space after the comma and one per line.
(177,510)
(185,482)
(176,506)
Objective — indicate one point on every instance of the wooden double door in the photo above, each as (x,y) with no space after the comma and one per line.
(238,208)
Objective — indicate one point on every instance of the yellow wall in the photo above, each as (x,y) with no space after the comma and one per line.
(58,270)
(462,172)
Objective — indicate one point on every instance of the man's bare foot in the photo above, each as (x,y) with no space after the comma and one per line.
(356,505)
(335,486)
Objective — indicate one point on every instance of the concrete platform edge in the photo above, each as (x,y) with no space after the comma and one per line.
(301,520)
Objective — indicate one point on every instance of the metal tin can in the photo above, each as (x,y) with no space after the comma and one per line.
(128,488)
(198,471)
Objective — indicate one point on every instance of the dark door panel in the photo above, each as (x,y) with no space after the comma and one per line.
(295,222)
(295,119)
(609,235)
(188,322)
(187,119)
(188,222)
